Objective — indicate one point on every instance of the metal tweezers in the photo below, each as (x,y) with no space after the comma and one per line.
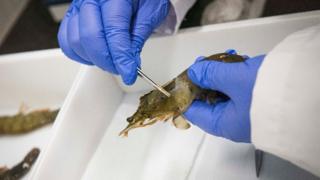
(155,85)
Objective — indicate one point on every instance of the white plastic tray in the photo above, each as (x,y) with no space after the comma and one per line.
(39,79)
(85,143)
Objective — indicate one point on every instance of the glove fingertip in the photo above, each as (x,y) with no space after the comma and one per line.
(231,51)
(192,74)
(195,71)
(129,73)
(130,79)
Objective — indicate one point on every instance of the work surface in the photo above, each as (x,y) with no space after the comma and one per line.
(163,152)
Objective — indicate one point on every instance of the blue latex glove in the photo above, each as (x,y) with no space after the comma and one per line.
(229,119)
(110,33)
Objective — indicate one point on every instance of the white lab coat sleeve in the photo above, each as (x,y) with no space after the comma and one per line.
(178,9)
(285,109)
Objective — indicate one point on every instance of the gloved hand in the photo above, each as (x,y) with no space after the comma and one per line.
(110,34)
(229,119)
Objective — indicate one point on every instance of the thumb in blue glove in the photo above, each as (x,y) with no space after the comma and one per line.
(110,34)
(229,119)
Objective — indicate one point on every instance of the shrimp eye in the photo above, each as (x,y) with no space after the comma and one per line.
(129,119)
